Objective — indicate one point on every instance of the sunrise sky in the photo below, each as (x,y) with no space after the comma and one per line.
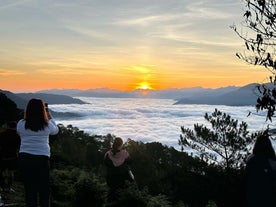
(121,44)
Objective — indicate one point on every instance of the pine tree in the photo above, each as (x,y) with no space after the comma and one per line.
(225,143)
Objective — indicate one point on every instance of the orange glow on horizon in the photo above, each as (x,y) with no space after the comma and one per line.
(144,86)
(33,80)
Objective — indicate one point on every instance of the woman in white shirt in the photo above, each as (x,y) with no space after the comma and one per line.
(34,153)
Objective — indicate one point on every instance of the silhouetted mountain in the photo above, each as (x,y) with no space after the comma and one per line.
(165,94)
(21,99)
(20,102)
(99,93)
(232,95)
(246,95)
(51,98)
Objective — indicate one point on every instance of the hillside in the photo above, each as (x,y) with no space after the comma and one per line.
(21,99)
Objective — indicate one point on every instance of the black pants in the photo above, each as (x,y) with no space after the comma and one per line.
(35,171)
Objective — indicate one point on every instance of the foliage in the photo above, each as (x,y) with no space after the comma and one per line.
(90,190)
(62,186)
(260,40)
(158,201)
(8,110)
(211,204)
(226,143)
(133,196)
(77,187)
(162,169)
(74,147)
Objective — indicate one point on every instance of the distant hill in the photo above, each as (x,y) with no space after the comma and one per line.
(51,98)
(246,95)
(20,102)
(231,95)
(21,99)
(162,94)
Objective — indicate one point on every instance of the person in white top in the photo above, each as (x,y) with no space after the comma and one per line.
(34,153)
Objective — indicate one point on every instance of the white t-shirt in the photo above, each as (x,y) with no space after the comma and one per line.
(36,143)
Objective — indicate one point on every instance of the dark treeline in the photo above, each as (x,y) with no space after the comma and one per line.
(160,172)
(164,176)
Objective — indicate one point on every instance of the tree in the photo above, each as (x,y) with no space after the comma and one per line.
(225,144)
(260,41)
(8,110)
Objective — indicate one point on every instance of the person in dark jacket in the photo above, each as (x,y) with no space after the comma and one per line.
(116,161)
(260,174)
(9,148)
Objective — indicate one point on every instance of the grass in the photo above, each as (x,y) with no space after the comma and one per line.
(15,199)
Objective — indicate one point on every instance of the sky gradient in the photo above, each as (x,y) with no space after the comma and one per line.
(121,44)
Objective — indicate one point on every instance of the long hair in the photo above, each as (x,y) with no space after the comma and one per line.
(263,146)
(35,115)
(117,145)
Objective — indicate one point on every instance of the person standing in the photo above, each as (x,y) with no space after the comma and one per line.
(9,148)
(34,152)
(116,161)
(260,174)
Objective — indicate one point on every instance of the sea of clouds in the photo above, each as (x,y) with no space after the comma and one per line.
(148,120)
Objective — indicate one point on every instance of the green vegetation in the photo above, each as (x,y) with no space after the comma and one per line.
(164,176)
(8,110)
(226,143)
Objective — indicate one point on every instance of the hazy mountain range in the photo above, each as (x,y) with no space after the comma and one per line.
(232,95)
(139,93)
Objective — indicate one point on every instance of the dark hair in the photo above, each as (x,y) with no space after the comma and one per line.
(263,146)
(118,142)
(35,115)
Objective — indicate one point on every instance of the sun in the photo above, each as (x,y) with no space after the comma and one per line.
(144,86)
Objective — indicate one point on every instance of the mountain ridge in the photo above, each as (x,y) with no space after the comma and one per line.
(242,96)
(140,93)
(231,95)
(21,99)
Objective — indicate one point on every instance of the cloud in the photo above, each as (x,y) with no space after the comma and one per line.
(141,68)
(147,120)
(68,71)
(13,3)
(6,72)
(210,10)
(145,20)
